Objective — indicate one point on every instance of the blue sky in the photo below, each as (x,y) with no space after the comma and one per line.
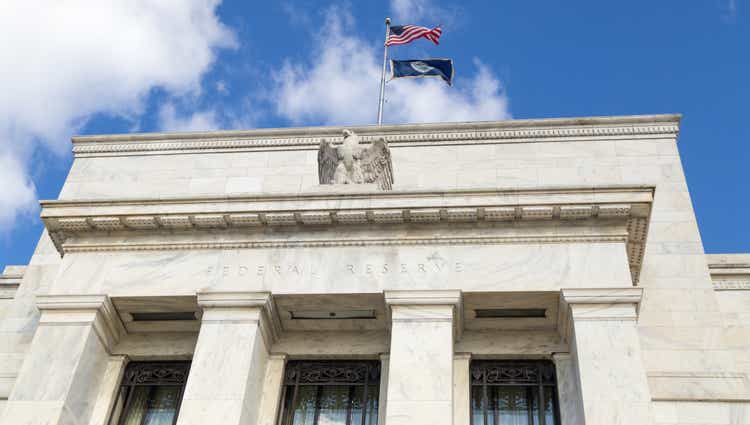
(139,65)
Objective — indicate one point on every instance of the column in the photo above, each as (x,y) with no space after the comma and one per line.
(606,350)
(420,367)
(461,388)
(225,385)
(62,375)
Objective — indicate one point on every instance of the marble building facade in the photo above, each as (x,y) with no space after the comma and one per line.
(529,271)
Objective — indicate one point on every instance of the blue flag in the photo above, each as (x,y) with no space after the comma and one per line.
(442,68)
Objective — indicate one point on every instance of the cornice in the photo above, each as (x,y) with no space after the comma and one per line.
(9,284)
(511,131)
(73,247)
(729,272)
(314,211)
(732,285)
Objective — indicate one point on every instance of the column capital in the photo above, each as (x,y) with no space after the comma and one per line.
(602,295)
(233,299)
(561,356)
(423,297)
(423,300)
(461,356)
(279,356)
(240,305)
(95,309)
(597,304)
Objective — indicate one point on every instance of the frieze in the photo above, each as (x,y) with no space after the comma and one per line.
(311,270)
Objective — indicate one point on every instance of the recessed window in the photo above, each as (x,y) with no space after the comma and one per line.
(513,393)
(331,393)
(510,313)
(150,393)
(163,316)
(332,315)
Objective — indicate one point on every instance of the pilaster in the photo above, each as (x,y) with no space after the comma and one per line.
(383,395)
(568,389)
(420,369)
(61,378)
(229,366)
(461,388)
(605,349)
(272,387)
(108,390)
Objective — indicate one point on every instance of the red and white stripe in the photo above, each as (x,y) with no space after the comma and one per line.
(413,32)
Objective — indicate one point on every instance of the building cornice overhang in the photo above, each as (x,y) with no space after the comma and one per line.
(297,213)
(309,138)
(729,271)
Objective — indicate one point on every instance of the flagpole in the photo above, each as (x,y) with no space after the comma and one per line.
(382,77)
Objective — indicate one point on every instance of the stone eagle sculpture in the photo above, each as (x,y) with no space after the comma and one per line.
(352,163)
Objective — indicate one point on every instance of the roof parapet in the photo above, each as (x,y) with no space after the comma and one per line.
(510,131)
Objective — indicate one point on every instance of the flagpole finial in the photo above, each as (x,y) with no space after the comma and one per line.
(387,21)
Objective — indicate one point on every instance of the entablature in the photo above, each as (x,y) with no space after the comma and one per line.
(269,221)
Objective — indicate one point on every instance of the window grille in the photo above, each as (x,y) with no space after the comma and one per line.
(513,393)
(150,393)
(331,393)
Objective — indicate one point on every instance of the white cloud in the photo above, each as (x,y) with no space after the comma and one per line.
(171,120)
(64,61)
(728,10)
(222,87)
(340,85)
(422,12)
(410,11)
(18,191)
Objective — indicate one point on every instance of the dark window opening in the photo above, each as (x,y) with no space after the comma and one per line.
(330,393)
(150,393)
(503,313)
(513,393)
(332,315)
(163,316)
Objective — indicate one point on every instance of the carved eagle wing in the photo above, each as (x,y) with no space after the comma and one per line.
(376,164)
(328,159)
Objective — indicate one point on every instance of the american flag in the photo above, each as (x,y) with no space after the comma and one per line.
(403,34)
